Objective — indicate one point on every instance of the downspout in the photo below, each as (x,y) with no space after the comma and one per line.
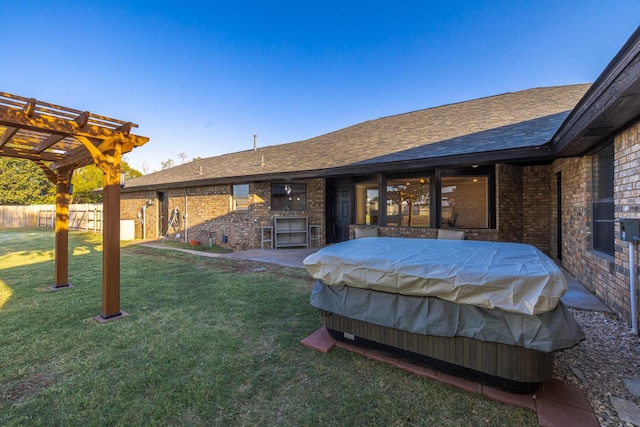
(632,289)
(144,222)
(186,216)
(144,217)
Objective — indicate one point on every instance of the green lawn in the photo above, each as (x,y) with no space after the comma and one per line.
(208,342)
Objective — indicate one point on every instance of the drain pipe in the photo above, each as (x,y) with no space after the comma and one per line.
(186,216)
(144,222)
(632,289)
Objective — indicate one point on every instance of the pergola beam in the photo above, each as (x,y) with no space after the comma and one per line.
(55,125)
(7,135)
(24,153)
(48,142)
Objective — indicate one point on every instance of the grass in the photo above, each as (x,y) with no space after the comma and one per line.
(208,342)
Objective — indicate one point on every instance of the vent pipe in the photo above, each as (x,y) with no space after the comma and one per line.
(255,146)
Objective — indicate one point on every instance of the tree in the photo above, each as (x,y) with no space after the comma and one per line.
(22,182)
(90,178)
(167,164)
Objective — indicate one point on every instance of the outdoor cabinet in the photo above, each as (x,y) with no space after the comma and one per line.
(291,231)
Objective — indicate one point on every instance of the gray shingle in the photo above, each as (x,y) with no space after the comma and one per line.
(527,118)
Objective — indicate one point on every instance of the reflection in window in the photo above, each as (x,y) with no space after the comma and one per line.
(288,197)
(408,202)
(603,206)
(367,203)
(465,202)
(240,193)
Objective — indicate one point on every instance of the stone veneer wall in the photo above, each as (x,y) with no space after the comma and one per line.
(208,213)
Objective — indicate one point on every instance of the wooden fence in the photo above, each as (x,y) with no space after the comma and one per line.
(84,217)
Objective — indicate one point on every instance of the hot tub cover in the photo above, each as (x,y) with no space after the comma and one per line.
(509,276)
(546,332)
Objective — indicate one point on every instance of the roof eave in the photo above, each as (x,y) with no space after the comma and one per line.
(532,155)
(611,104)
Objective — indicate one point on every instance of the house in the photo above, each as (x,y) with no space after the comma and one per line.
(555,167)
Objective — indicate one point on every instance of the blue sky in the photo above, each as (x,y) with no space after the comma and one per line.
(201,78)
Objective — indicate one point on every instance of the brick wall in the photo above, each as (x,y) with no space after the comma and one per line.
(526,211)
(607,277)
(536,203)
(590,267)
(207,212)
(509,208)
(627,205)
(139,206)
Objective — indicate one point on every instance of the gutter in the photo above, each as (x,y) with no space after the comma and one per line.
(572,128)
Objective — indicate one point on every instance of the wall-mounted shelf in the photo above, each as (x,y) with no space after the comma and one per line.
(291,231)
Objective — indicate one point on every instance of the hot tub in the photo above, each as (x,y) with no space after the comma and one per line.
(486,309)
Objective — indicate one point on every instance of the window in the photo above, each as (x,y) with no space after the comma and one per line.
(464,202)
(462,198)
(602,207)
(240,197)
(367,203)
(288,197)
(408,202)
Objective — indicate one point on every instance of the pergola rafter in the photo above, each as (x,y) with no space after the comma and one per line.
(60,140)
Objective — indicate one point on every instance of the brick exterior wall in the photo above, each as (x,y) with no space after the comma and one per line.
(509,203)
(592,268)
(137,206)
(627,205)
(576,199)
(607,277)
(536,203)
(526,211)
(207,211)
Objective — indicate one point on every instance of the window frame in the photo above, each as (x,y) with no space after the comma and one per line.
(234,199)
(435,178)
(300,206)
(411,178)
(489,172)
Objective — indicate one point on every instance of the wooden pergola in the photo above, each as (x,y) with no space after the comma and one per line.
(60,140)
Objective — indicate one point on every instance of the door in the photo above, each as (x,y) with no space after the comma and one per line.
(163,202)
(341,210)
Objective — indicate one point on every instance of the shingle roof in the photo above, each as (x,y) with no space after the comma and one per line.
(523,119)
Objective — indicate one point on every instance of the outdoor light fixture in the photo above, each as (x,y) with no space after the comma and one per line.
(121,179)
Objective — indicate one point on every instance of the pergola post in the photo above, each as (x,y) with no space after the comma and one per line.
(63,181)
(111,241)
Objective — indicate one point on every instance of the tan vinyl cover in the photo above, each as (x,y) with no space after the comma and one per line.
(509,276)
